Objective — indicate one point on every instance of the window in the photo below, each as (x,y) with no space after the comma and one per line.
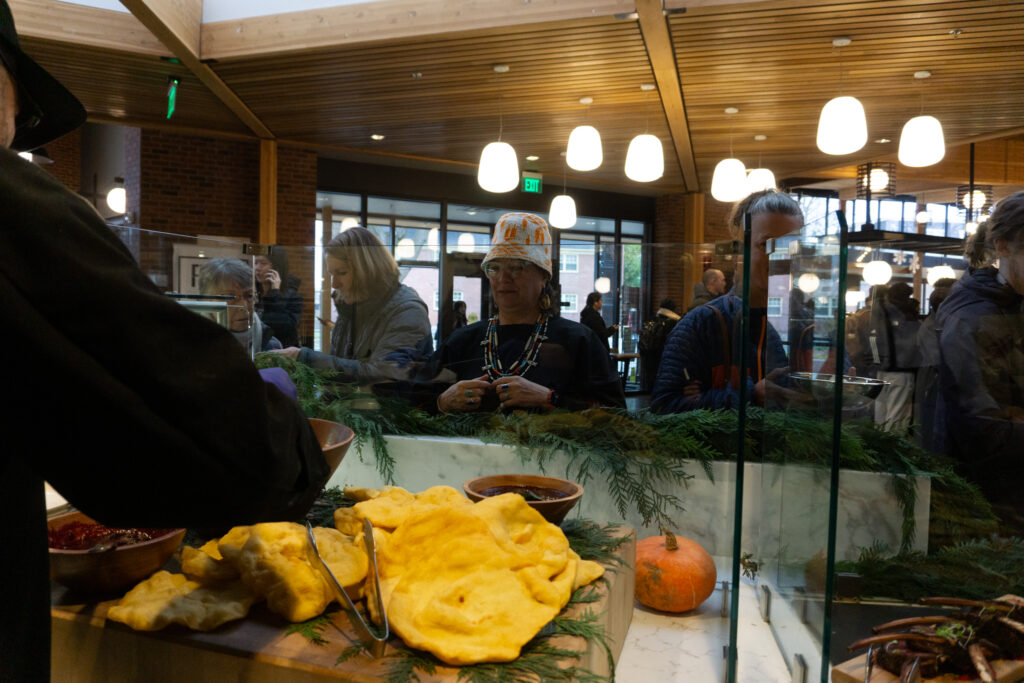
(457,295)
(569,263)
(774,306)
(569,303)
(437,299)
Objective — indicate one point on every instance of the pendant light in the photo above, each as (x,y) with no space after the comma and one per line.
(842,126)
(584,150)
(808,283)
(499,168)
(877,272)
(729,182)
(645,159)
(936,273)
(563,209)
(922,142)
(759,179)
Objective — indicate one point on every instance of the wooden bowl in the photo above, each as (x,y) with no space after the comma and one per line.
(334,440)
(109,571)
(552,510)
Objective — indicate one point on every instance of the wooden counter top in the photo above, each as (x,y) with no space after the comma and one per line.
(86,647)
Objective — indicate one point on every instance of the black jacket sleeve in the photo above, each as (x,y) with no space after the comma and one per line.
(151,415)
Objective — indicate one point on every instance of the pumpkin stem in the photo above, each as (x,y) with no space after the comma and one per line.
(670,539)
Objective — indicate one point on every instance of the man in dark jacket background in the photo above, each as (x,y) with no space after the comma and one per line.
(139,412)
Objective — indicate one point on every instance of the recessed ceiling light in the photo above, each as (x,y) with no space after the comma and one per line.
(760,137)
(732,110)
(923,73)
(882,141)
(417,74)
(532,157)
(500,68)
(376,136)
(586,100)
(841,41)
(647,86)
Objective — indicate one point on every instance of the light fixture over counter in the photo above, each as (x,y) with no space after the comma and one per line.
(842,126)
(645,158)
(499,167)
(922,142)
(584,151)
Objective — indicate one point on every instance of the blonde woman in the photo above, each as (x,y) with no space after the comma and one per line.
(379,319)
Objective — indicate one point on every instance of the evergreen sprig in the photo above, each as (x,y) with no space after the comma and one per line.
(980,569)
(644,457)
(312,629)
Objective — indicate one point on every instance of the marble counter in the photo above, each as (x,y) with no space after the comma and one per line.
(688,648)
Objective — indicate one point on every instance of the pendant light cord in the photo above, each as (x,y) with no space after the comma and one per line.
(501,120)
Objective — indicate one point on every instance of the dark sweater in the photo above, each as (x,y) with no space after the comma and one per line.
(136,410)
(572,362)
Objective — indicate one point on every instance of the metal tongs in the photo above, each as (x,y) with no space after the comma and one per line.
(373,639)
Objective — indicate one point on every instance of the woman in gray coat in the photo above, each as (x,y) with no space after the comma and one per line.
(381,322)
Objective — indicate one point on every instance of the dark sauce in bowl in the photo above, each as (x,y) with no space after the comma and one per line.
(530,493)
(86,535)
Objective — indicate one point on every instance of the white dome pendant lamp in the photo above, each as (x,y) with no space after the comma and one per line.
(499,167)
(645,158)
(563,209)
(760,178)
(922,142)
(729,182)
(584,151)
(842,126)
(563,212)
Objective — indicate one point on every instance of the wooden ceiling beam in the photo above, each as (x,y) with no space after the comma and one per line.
(654,28)
(66,23)
(385,20)
(177,25)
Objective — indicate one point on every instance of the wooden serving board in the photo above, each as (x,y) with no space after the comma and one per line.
(852,671)
(86,647)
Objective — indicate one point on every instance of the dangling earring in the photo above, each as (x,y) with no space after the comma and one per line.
(545,302)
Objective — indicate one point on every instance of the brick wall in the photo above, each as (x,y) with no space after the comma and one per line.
(67,160)
(296,220)
(668,256)
(192,185)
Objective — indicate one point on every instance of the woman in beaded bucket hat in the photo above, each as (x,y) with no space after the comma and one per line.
(525,357)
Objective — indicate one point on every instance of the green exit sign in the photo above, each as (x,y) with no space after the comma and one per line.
(533,182)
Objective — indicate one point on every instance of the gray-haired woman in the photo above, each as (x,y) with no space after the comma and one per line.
(232,277)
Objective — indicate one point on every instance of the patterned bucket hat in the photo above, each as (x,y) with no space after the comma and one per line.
(522,236)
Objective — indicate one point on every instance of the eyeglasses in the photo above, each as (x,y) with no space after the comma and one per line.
(513,270)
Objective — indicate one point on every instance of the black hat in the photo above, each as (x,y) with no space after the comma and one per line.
(46,109)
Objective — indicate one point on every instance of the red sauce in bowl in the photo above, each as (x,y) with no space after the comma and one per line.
(85,535)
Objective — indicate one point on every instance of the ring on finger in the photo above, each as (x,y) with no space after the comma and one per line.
(468,393)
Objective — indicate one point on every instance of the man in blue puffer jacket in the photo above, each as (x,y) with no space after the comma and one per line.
(701,363)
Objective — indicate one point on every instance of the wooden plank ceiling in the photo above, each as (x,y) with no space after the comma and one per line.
(776,64)
(435,97)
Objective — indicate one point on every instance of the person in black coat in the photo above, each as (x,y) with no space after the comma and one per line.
(278,301)
(591,317)
(136,410)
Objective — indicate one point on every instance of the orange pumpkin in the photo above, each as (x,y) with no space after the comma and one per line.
(673,575)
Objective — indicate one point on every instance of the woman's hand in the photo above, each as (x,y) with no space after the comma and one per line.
(464,396)
(272,279)
(291,352)
(516,392)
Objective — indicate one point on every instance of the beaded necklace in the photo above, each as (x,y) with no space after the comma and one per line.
(526,360)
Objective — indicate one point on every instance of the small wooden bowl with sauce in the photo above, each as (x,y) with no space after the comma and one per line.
(109,568)
(550,496)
